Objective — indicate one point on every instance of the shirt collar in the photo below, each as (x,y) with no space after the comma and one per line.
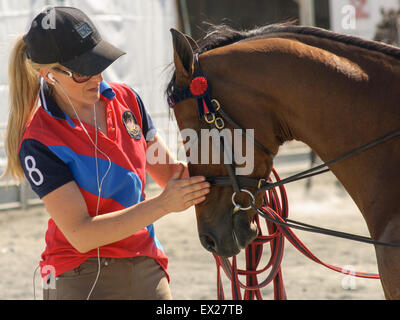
(50,106)
(106,90)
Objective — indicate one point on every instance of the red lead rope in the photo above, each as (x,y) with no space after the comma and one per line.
(276,207)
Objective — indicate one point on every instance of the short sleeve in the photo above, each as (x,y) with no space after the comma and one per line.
(148,127)
(43,169)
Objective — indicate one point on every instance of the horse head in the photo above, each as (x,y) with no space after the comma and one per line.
(224,229)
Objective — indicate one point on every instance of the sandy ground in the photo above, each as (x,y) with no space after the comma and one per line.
(192,269)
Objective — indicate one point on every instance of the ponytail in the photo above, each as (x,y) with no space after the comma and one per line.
(23,97)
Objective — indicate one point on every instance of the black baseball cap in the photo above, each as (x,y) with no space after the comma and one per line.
(66,35)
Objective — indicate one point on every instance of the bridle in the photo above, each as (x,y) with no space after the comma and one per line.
(211,112)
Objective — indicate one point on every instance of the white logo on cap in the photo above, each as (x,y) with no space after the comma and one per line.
(49,20)
(84,30)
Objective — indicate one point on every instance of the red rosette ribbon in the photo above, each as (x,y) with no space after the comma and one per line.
(198,86)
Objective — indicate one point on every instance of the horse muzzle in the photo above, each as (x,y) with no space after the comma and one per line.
(230,236)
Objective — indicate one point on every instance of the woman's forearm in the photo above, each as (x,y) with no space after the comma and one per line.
(179,195)
(111,227)
(86,232)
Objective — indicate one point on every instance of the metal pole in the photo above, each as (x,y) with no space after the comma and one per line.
(185,18)
(307,12)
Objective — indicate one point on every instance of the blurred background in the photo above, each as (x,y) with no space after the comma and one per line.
(141,28)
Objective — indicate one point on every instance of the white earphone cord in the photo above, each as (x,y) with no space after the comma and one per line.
(99,181)
(99,184)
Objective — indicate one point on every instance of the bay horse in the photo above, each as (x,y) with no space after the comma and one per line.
(333,92)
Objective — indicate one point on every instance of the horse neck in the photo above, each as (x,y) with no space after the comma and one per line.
(331,103)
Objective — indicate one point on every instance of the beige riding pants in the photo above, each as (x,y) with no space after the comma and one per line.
(139,278)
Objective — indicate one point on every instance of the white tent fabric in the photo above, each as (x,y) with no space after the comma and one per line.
(358,18)
(139,27)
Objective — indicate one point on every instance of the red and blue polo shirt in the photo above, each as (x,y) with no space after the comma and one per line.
(55,150)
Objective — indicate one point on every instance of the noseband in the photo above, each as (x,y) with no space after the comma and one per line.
(211,112)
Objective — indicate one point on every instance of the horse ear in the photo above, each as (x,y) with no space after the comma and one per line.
(192,42)
(183,57)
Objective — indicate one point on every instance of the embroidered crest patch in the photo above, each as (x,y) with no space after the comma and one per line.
(132,125)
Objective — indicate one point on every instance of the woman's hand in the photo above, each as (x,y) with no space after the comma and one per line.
(180,194)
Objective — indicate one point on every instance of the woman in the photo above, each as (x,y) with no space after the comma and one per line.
(84,153)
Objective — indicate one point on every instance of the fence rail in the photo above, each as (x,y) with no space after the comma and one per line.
(13,195)
(292,157)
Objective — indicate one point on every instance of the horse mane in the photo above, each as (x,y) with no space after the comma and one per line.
(222,35)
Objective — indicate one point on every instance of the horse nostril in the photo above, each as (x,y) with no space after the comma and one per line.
(208,242)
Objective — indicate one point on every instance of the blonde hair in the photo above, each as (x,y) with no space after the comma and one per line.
(23,98)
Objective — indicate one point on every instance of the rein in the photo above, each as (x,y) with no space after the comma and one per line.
(275,211)
(275,208)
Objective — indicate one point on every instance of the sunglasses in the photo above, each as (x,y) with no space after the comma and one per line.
(78,78)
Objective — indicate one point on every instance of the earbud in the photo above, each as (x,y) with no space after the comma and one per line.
(50,75)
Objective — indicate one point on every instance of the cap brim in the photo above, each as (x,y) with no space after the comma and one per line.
(96,60)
